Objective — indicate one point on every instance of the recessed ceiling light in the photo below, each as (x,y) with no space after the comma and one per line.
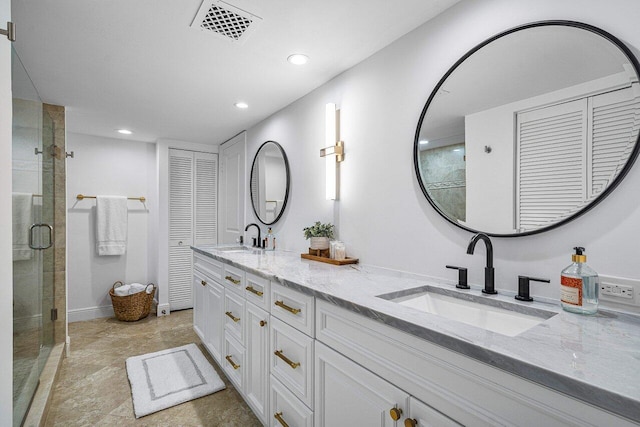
(424,141)
(298,59)
(241,105)
(125,131)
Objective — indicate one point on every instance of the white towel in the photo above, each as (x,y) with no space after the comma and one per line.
(111,225)
(22,221)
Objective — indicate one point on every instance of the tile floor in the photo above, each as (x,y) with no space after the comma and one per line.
(93,389)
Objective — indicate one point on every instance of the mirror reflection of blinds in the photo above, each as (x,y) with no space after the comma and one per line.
(615,119)
(569,153)
(551,170)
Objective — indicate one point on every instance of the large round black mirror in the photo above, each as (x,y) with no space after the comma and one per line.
(530,129)
(269,182)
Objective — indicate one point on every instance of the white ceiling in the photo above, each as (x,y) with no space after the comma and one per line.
(138,64)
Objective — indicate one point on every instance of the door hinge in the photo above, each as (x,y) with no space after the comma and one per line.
(54,314)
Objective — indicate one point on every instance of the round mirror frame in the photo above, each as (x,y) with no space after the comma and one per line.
(630,161)
(286,193)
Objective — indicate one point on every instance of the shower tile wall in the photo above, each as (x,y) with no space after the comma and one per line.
(444,175)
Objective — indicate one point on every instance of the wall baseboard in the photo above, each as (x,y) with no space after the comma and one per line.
(90,313)
(163,307)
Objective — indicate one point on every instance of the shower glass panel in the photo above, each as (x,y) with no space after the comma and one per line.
(33,262)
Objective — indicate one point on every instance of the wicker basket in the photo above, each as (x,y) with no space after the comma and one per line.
(130,308)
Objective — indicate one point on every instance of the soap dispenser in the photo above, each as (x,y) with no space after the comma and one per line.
(579,285)
(271,241)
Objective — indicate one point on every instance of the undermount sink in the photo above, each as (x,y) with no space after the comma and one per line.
(472,311)
(238,249)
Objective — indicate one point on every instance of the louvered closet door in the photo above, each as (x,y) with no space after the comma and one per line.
(181,190)
(615,120)
(551,152)
(206,199)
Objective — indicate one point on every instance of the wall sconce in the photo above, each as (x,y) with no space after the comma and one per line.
(333,153)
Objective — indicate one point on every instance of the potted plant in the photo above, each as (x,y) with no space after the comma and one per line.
(319,234)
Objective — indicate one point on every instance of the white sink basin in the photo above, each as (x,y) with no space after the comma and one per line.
(500,320)
(238,249)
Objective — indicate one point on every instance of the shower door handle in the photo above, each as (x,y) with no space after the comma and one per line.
(31,230)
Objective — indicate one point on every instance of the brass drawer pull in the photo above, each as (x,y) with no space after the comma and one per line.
(278,416)
(254,291)
(263,323)
(233,365)
(232,280)
(286,307)
(203,283)
(293,365)
(410,422)
(232,317)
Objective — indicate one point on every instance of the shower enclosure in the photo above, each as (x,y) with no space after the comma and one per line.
(33,219)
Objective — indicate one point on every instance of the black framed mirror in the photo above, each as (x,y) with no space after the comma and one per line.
(530,129)
(269,182)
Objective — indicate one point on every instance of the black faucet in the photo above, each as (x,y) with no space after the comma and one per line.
(258,242)
(489,286)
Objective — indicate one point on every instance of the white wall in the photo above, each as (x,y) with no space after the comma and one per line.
(106,166)
(6,255)
(382,214)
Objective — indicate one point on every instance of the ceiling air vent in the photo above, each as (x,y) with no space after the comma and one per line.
(225,21)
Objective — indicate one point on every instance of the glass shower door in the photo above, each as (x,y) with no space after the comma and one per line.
(33,263)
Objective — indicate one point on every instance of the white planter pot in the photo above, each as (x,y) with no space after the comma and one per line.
(319,243)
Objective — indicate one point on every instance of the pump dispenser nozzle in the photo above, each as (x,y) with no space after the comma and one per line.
(578,256)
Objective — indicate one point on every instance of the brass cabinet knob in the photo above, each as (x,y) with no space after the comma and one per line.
(203,283)
(410,422)
(263,323)
(395,413)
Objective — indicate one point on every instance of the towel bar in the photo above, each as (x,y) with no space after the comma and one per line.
(82,196)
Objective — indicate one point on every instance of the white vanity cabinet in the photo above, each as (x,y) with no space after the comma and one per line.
(292,356)
(348,395)
(214,307)
(456,386)
(208,301)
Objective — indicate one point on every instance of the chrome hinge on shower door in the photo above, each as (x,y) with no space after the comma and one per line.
(54,314)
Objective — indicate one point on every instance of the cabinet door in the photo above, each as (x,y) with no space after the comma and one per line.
(180,228)
(214,296)
(347,394)
(257,360)
(205,212)
(199,310)
(421,415)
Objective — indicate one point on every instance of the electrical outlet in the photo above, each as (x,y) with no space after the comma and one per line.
(620,292)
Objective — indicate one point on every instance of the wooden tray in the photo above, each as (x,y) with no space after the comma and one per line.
(329,260)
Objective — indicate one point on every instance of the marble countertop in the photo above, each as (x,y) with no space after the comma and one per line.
(593,358)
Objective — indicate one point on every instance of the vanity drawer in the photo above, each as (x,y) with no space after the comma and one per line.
(293,307)
(208,266)
(291,354)
(233,315)
(233,363)
(257,290)
(285,407)
(234,279)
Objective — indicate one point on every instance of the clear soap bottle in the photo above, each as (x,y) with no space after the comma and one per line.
(579,285)
(271,241)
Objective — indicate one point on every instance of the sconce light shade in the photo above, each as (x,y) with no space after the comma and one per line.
(331,152)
